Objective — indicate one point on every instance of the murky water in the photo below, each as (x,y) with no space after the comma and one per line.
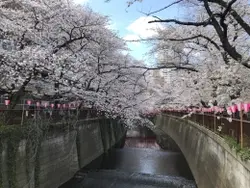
(149,161)
(121,179)
(139,164)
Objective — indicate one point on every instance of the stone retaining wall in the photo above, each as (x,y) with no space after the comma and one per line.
(212,162)
(60,155)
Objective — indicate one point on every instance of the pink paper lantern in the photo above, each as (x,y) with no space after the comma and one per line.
(221,110)
(7,102)
(58,105)
(64,106)
(29,102)
(38,104)
(239,106)
(218,109)
(229,110)
(45,105)
(52,105)
(214,109)
(246,107)
(233,108)
(70,105)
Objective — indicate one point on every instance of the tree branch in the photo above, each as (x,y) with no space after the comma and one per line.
(205,23)
(222,34)
(164,8)
(235,15)
(179,40)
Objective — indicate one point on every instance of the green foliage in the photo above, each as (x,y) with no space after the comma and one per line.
(244,153)
(11,162)
(78,148)
(12,134)
(1,176)
(34,131)
(37,166)
(13,131)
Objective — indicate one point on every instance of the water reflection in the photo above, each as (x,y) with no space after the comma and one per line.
(140,164)
(149,161)
(141,143)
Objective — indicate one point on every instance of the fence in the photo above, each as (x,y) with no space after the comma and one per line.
(20,117)
(222,125)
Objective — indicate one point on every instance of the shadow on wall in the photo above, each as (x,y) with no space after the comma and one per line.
(166,143)
(143,137)
(97,163)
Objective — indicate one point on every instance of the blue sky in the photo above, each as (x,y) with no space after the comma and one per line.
(130,22)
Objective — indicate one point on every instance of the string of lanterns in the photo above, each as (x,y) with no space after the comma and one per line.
(240,107)
(28,103)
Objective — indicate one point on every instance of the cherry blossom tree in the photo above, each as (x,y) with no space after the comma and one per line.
(213,36)
(65,51)
(222,24)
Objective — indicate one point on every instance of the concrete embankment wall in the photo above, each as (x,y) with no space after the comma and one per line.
(212,162)
(59,155)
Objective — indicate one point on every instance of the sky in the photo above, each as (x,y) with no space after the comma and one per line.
(131,22)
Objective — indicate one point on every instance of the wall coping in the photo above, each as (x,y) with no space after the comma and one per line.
(216,138)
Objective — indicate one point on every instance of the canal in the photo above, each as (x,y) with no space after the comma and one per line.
(140,164)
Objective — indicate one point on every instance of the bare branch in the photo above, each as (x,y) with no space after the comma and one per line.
(235,15)
(222,34)
(205,23)
(178,39)
(228,9)
(164,8)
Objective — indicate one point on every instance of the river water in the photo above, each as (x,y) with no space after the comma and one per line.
(140,164)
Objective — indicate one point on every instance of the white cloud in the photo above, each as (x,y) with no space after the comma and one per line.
(142,29)
(80,1)
(131,37)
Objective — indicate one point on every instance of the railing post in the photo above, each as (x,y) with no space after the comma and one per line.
(203,119)
(214,122)
(241,129)
(22,114)
(237,131)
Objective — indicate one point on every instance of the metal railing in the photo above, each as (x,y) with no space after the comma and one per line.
(221,125)
(20,117)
